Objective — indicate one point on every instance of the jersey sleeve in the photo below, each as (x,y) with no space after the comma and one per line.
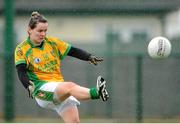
(19,56)
(62,46)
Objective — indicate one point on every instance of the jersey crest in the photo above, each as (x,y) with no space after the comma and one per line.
(37,60)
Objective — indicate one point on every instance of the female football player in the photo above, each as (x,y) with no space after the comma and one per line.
(38,60)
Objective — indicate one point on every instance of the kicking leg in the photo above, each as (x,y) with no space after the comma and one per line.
(66,89)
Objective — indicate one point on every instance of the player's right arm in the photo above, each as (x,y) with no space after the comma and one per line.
(20,63)
(23,77)
(22,74)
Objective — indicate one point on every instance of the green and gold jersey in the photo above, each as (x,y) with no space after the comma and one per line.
(43,63)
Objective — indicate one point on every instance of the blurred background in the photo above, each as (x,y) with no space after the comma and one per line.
(141,89)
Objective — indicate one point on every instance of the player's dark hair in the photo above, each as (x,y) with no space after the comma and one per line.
(35,19)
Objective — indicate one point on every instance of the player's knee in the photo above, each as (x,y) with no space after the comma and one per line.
(71,84)
(65,88)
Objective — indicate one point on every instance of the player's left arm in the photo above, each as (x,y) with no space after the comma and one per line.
(67,49)
(84,55)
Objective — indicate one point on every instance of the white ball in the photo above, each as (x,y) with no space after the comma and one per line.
(159,48)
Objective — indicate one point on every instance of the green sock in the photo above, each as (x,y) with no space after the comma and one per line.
(94,93)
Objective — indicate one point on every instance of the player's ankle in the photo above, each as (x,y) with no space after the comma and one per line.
(94,93)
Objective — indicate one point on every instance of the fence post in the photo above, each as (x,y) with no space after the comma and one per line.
(139,89)
(111,39)
(8,61)
(109,70)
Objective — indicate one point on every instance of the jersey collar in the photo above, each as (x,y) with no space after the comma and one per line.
(32,45)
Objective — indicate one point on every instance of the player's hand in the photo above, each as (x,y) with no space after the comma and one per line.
(30,89)
(95,60)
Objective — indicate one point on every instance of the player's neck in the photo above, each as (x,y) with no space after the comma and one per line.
(39,44)
(36,44)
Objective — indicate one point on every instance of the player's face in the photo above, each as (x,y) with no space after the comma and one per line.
(38,34)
